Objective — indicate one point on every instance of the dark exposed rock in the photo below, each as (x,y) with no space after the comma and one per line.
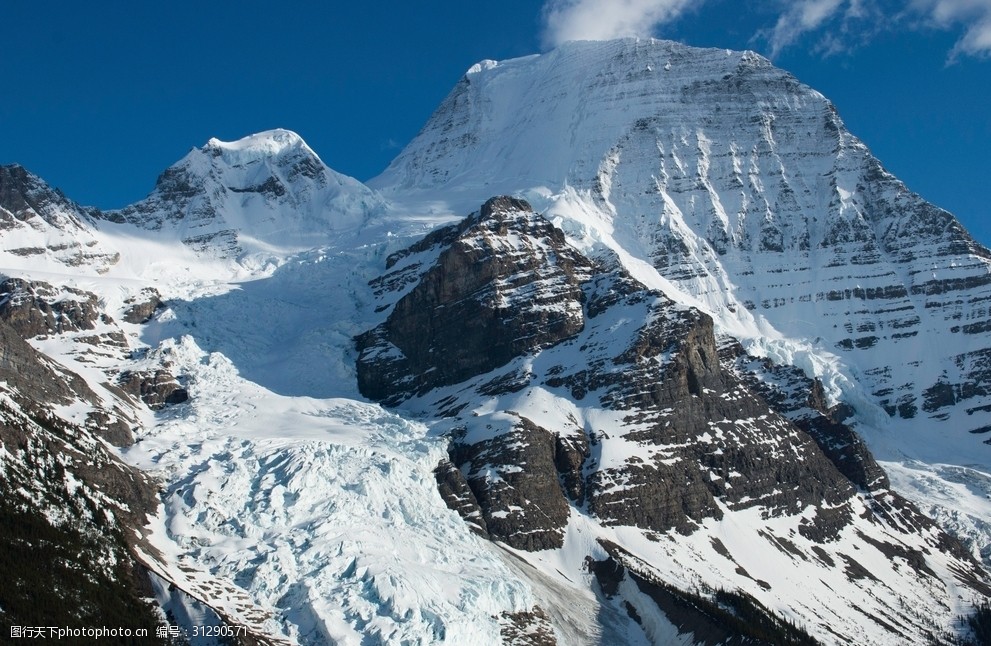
(458,496)
(703,436)
(803,401)
(38,383)
(527,628)
(141,309)
(70,510)
(271,186)
(29,372)
(570,454)
(713,617)
(66,557)
(657,497)
(105,340)
(506,271)
(711,437)
(943,394)
(609,573)
(38,309)
(225,241)
(515,481)
(157,389)
(24,196)
(113,427)
(913,557)
(59,228)
(826,525)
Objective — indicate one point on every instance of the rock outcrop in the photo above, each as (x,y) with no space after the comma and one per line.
(504,284)
(484,301)
(40,383)
(156,389)
(140,309)
(40,225)
(39,309)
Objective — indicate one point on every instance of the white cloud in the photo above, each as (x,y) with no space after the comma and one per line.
(801,18)
(836,25)
(566,20)
(845,24)
(973,15)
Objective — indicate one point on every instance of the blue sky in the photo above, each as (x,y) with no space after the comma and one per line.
(100,97)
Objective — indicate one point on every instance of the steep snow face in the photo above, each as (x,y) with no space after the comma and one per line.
(265,195)
(736,189)
(552,119)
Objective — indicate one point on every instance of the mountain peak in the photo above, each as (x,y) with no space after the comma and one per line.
(722,178)
(551,119)
(42,227)
(266,144)
(265,191)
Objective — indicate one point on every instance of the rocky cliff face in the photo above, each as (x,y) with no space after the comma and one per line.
(846,253)
(620,408)
(505,271)
(40,226)
(70,507)
(37,310)
(801,400)
(601,339)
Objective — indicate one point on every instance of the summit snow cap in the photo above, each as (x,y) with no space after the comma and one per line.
(269,143)
(260,197)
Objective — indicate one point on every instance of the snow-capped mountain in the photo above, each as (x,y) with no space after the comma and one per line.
(740,186)
(267,193)
(593,361)
(729,185)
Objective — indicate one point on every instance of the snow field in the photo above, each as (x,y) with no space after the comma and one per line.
(325,512)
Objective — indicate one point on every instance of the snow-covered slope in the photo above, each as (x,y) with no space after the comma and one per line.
(323,515)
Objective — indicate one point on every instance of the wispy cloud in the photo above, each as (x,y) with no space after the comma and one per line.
(825,26)
(841,25)
(800,18)
(566,20)
(973,15)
